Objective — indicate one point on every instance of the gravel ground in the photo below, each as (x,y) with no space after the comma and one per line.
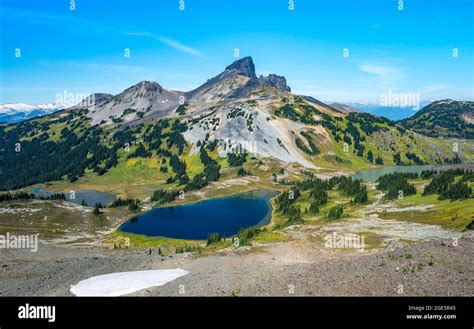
(297,267)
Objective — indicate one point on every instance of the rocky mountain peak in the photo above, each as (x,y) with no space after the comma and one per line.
(147,86)
(243,66)
(276,81)
(94,100)
(238,80)
(101,97)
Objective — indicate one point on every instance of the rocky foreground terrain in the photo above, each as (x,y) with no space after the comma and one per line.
(413,260)
(430,268)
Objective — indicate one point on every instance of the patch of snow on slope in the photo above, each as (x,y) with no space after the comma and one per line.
(123,283)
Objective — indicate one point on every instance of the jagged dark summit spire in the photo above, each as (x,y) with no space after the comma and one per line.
(243,66)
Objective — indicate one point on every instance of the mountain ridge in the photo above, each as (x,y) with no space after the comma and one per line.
(444,118)
(230,111)
(148,100)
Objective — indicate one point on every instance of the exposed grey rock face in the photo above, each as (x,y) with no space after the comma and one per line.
(238,103)
(142,89)
(222,85)
(94,100)
(276,81)
(149,100)
(144,101)
(245,128)
(102,97)
(243,66)
(238,80)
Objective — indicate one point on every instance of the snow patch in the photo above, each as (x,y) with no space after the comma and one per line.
(123,283)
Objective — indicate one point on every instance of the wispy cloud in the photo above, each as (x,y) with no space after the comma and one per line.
(41,17)
(384,75)
(378,69)
(170,42)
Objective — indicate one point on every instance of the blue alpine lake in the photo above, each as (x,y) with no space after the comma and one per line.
(371,175)
(225,215)
(90,197)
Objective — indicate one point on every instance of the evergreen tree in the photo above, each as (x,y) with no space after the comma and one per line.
(96,212)
(370,156)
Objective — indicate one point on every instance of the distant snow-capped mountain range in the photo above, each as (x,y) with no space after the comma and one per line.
(16,112)
(391,112)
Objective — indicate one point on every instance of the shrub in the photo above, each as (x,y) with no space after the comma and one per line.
(247,234)
(361,197)
(213,238)
(335,213)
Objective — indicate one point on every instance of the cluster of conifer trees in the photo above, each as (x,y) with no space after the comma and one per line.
(29,196)
(133,204)
(396,183)
(28,160)
(351,187)
(447,186)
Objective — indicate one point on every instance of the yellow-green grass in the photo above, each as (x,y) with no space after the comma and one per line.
(143,241)
(304,201)
(372,240)
(194,165)
(169,245)
(270,237)
(140,177)
(422,145)
(327,158)
(449,214)
(54,131)
(134,178)
(54,219)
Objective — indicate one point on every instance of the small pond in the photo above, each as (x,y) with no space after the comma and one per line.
(90,197)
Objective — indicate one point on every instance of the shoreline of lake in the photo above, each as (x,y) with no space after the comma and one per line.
(177,210)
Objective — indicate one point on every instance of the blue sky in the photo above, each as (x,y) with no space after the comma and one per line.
(82,51)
